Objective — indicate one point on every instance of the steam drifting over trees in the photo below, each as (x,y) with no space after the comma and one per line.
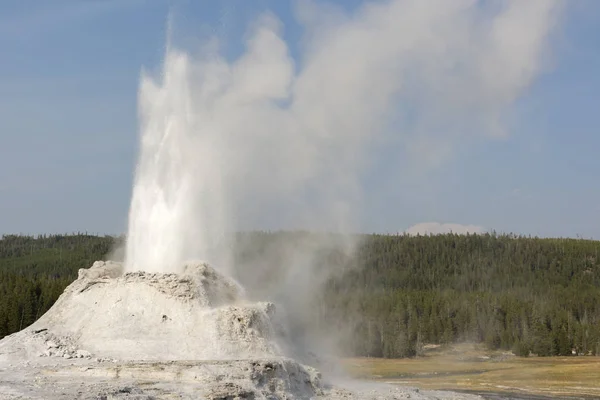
(398,293)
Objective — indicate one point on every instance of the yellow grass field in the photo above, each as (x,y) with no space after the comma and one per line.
(472,368)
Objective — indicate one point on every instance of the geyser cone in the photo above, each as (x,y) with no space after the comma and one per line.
(190,335)
(196,315)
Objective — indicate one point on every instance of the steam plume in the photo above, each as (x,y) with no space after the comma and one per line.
(264,141)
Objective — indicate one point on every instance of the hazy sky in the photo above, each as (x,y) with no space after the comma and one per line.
(69,76)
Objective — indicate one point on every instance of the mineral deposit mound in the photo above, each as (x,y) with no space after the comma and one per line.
(150,335)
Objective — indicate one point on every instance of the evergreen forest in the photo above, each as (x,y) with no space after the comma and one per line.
(393,296)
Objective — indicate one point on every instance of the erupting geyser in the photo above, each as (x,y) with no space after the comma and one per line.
(229,144)
(177,203)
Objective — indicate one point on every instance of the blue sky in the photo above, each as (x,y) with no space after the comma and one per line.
(69,76)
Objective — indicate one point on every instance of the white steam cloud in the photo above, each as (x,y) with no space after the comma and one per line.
(265,142)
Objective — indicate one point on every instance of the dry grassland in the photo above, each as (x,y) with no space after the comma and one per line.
(469,367)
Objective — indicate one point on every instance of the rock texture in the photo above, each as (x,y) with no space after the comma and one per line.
(198,315)
(145,335)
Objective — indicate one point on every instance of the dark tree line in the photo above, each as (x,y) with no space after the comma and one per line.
(396,294)
(35,271)
(528,295)
(399,292)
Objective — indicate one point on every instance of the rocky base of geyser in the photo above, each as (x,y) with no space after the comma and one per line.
(179,336)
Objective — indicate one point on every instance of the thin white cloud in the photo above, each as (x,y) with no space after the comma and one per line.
(436,228)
